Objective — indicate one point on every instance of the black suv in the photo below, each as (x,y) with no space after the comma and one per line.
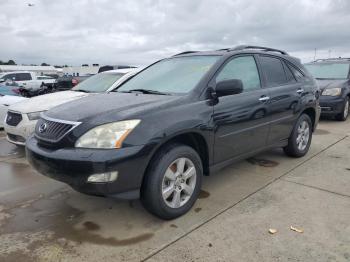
(179,119)
(333,77)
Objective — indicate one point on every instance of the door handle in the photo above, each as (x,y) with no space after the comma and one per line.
(264,98)
(300,91)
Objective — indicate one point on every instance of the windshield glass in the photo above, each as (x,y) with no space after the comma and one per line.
(98,83)
(173,75)
(329,70)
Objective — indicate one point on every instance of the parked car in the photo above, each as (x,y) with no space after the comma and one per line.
(5,102)
(22,117)
(29,81)
(180,118)
(9,90)
(333,77)
(68,82)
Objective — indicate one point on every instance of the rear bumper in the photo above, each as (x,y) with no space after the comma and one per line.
(331,105)
(73,166)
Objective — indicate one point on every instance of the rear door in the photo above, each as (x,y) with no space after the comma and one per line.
(285,97)
(240,120)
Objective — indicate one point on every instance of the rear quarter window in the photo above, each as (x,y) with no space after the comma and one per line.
(273,71)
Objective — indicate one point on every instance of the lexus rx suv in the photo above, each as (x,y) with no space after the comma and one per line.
(333,77)
(178,119)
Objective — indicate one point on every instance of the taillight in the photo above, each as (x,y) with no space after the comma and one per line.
(74,81)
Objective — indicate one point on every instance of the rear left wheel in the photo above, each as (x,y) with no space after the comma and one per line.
(300,138)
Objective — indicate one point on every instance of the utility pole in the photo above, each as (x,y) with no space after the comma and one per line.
(315,54)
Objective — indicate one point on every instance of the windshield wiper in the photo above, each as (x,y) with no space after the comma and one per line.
(145,91)
(82,90)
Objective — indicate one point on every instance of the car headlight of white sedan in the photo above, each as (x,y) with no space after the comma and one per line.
(34,115)
(107,136)
(332,92)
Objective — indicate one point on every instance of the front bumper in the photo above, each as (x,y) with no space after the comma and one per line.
(73,166)
(331,105)
(19,134)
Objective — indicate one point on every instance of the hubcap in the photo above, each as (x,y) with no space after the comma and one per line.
(303,135)
(179,182)
(346,109)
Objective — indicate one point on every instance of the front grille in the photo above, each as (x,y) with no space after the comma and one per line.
(52,130)
(13,119)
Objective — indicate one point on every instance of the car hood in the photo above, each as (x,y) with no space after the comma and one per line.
(45,102)
(9,100)
(323,84)
(110,107)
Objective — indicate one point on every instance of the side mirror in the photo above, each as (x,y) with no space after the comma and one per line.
(229,87)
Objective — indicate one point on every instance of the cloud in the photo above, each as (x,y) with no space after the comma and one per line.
(140,32)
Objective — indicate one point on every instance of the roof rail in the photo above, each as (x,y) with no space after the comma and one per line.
(186,52)
(268,49)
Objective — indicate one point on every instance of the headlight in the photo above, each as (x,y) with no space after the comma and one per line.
(332,92)
(34,115)
(109,135)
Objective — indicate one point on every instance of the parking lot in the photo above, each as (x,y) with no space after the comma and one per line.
(44,220)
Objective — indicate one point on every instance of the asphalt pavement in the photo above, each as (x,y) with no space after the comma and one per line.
(45,220)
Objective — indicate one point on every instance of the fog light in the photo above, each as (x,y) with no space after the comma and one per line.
(103,178)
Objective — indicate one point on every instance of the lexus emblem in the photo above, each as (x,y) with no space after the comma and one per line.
(42,128)
(9,118)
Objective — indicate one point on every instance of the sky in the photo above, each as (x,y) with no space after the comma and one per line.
(139,32)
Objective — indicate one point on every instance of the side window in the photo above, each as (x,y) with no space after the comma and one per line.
(273,70)
(24,77)
(299,76)
(10,77)
(243,68)
(289,74)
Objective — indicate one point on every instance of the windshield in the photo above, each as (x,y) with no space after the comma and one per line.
(173,75)
(98,83)
(329,70)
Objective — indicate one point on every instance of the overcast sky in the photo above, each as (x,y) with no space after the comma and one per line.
(141,31)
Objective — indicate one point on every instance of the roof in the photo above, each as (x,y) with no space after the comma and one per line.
(330,60)
(122,71)
(26,68)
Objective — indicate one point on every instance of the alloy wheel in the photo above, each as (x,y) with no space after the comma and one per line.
(179,182)
(303,135)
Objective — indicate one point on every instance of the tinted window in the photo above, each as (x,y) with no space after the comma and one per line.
(289,74)
(173,75)
(243,68)
(23,77)
(10,77)
(273,71)
(296,72)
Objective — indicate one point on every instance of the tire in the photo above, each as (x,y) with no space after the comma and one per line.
(169,161)
(300,139)
(344,115)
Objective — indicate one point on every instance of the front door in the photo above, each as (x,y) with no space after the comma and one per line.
(240,120)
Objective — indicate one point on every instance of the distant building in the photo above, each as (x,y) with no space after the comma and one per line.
(39,70)
(82,70)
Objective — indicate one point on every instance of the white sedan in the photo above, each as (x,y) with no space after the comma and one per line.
(22,117)
(5,102)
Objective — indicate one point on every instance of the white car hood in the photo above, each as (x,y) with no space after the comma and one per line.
(9,100)
(45,102)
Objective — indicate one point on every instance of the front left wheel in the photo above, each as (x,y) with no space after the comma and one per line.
(173,181)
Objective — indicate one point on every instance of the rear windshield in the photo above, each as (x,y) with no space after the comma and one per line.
(98,83)
(329,70)
(175,75)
